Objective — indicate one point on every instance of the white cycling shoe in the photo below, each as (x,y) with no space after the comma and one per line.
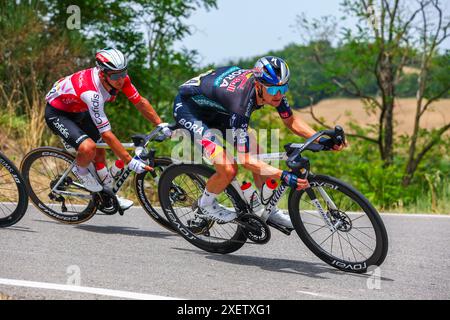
(124,204)
(217,213)
(279,218)
(88,181)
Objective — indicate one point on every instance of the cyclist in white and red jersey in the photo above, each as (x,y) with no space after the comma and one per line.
(76,112)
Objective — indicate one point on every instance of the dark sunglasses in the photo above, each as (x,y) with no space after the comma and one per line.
(117,75)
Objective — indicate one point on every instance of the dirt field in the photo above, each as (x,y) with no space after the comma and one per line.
(342,111)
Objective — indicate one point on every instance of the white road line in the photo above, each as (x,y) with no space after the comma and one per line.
(319,295)
(416,215)
(96,291)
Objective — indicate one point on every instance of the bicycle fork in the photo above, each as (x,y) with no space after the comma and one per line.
(319,207)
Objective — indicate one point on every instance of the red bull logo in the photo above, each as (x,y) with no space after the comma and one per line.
(210,148)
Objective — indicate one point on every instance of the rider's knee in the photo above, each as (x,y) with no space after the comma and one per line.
(229,171)
(88,148)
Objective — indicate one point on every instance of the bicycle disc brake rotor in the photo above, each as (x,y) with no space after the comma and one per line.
(199,225)
(342,219)
(63,185)
(177,194)
(255,229)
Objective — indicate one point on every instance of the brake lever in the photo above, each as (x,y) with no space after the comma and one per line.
(148,156)
(339,137)
(160,138)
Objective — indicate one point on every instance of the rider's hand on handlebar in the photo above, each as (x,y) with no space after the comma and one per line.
(293,181)
(165,129)
(138,165)
(328,142)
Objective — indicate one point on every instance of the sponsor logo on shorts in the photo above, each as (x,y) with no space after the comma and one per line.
(63,130)
(194,127)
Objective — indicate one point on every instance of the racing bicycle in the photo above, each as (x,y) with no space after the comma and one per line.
(56,192)
(13,194)
(333,219)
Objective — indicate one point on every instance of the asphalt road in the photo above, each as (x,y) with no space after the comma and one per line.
(114,257)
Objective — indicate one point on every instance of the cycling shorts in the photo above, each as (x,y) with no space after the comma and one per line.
(72,127)
(207,128)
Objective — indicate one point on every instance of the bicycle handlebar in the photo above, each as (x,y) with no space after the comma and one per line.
(337,135)
(155,135)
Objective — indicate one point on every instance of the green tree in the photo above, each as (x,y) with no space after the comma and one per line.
(146,30)
(383,44)
(33,55)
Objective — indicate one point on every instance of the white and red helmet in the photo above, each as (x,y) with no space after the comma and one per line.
(111,60)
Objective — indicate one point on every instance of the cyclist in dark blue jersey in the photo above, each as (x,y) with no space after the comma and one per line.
(223,100)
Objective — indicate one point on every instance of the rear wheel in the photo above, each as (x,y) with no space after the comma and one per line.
(179,189)
(42,168)
(360,239)
(13,194)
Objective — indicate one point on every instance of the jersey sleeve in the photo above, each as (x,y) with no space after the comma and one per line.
(130,91)
(284,110)
(96,109)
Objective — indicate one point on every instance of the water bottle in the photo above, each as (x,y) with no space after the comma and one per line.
(117,169)
(267,190)
(104,175)
(252,198)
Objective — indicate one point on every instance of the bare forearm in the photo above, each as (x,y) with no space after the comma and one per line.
(299,127)
(259,167)
(116,146)
(146,109)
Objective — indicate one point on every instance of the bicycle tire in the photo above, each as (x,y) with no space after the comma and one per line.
(381,248)
(25,166)
(22,203)
(236,241)
(147,204)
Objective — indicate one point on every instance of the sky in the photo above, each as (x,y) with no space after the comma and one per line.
(247,28)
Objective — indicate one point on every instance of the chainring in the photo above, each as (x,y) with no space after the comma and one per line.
(255,228)
(107,202)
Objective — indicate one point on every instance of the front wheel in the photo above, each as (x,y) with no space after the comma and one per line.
(358,238)
(146,188)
